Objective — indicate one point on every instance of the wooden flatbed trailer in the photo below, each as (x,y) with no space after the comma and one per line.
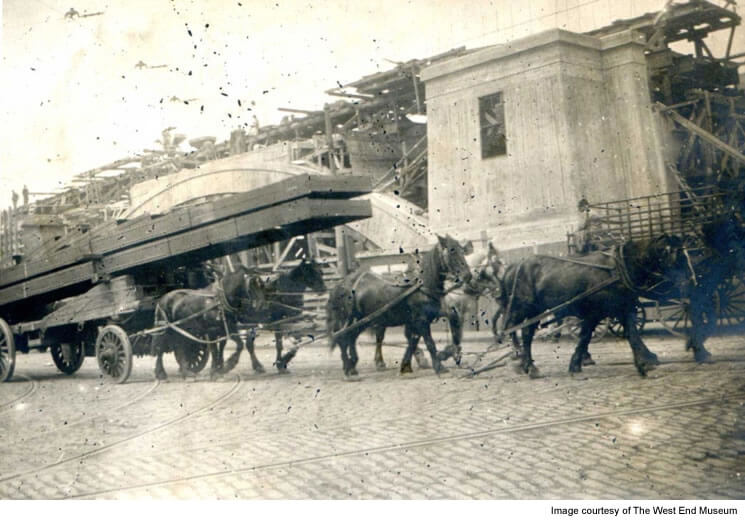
(90,292)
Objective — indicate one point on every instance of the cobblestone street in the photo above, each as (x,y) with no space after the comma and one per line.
(606,434)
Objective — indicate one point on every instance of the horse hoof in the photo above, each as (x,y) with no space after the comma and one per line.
(380,366)
(575,368)
(352,377)
(450,350)
(161,376)
(587,360)
(259,369)
(702,356)
(644,368)
(533,372)
(282,370)
(406,369)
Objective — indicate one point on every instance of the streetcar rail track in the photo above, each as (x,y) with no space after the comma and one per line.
(68,425)
(423,443)
(94,452)
(8,406)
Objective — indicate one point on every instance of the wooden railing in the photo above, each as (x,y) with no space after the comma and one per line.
(677,213)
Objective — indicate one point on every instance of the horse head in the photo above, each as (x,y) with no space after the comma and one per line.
(726,238)
(665,262)
(310,274)
(452,259)
(246,287)
(486,267)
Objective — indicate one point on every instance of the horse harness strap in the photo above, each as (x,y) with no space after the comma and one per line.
(161,318)
(378,312)
(512,293)
(193,338)
(224,299)
(623,270)
(538,318)
(581,263)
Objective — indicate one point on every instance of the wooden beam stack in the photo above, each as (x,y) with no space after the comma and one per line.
(294,206)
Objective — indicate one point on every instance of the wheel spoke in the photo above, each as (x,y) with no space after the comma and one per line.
(114,353)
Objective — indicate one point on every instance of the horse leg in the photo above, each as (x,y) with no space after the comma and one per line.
(179,351)
(587,358)
(379,336)
(348,355)
(412,341)
(160,372)
(456,333)
(216,351)
(526,364)
(289,355)
(278,362)
(421,360)
(220,350)
(250,341)
(432,348)
(587,326)
(644,359)
(517,349)
(703,317)
(234,358)
(353,358)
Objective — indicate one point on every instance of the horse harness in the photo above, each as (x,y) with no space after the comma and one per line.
(622,275)
(162,322)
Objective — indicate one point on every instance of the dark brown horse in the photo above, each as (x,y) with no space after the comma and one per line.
(725,257)
(284,300)
(364,295)
(205,316)
(541,282)
(458,306)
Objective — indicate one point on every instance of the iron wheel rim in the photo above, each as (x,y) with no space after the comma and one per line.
(114,353)
(7,352)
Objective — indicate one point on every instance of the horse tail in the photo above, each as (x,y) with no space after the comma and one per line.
(339,309)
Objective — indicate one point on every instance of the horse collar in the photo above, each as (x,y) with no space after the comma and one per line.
(224,299)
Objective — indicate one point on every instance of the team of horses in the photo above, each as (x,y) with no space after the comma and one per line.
(447,281)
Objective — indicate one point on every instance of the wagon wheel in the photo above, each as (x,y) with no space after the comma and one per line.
(731,302)
(615,327)
(7,352)
(574,326)
(114,353)
(68,357)
(675,316)
(197,357)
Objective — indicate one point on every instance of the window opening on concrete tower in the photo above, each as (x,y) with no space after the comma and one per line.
(491,121)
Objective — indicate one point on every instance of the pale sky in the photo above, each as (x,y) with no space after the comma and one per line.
(72,98)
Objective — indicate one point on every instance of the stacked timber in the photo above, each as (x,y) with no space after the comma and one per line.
(71,265)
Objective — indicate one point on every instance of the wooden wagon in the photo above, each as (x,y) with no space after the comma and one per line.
(680,213)
(93,294)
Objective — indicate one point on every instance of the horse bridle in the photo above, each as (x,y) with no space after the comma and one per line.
(225,303)
(443,272)
(625,276)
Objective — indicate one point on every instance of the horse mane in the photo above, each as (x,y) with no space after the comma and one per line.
(427,270)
